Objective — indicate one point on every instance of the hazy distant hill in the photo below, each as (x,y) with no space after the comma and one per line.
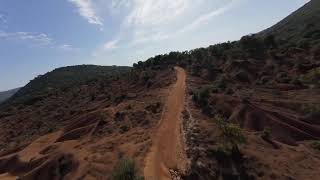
(7,94)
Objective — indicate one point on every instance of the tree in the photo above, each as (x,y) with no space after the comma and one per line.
(253,45)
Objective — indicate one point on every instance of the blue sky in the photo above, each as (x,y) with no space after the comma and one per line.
(37,36)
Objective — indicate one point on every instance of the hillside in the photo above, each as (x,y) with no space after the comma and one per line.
(243,110)
(7,94)
(64,78)
(301,26)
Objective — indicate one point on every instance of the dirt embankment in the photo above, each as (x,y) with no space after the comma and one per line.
(167,151)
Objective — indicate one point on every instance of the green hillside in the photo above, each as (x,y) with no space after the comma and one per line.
(63,78)
(299,27)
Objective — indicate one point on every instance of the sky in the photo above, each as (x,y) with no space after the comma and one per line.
(37,36)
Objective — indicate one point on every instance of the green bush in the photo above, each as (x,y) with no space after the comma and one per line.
(253,45)
(231,137)
(201,96)
(312,77)
(234,133)
(221,151)
(147,75)
(310,108)
(125,170)
(316,145)
(266,134)
(221,83)
(270,42)
(229,91)
(304,43)
(124,128)
(231,133)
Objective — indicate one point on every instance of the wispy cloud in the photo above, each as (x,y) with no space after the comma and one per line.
(154,20)
(38,38)
(86,10)
(120,3)
(68,47)
(111,44)
(106,47)
(204,18)
(152,12)
(3,19)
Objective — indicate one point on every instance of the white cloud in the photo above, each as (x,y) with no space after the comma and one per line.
(86,10)
(38,38)
(151,12)
(111,44)
(152,20)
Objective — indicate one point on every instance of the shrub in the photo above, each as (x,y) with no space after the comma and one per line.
(316,145)
(295,81)
(304,43)
(124,128)
(125,170)
(229,91)
(253,45)
(312,77)
(266,134)
(231,133)
(234,134)
(201,96)
(270,42)
(147,75)
(276,93)
(310,108)
(222,151)
(221,83)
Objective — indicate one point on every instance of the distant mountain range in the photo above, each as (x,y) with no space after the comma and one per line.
(7,94)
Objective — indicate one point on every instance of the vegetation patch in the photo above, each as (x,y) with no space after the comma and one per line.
(310,109)
(316,145)
(202,95)
(231,137)
(266,134)
(312,77)
(125,170)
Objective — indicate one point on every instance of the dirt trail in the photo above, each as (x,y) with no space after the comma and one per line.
(167,151)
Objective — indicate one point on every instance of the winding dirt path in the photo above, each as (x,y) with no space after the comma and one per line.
(167,151)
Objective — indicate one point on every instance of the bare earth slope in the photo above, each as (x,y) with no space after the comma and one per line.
(167,152)
(88,144)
